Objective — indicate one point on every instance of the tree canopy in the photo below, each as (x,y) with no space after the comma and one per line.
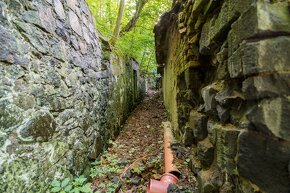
(136,37)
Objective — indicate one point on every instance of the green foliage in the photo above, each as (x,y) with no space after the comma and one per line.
(78,185)
(138,170)
(110,167)
(138,43)
(110,187)
(187,161)
(106,168)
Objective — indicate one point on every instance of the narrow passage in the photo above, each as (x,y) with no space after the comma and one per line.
(137,154)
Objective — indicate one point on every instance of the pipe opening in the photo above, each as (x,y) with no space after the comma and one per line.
(176,173)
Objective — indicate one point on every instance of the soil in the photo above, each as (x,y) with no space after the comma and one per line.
(137,154)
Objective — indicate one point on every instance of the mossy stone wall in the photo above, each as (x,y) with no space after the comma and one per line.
(225,68)
(60,98)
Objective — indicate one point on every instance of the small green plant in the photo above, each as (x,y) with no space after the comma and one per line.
(110,167)
(105,167)
(138,170)
(111,187)
(187,161)
(78,185)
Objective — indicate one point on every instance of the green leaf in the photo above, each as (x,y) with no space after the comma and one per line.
(80,180)
(65,182)
(75,190)
(68,188)
(86,188)
(55,189)
(55,183)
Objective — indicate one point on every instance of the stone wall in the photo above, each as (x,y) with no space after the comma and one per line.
(63,93)
(225,67)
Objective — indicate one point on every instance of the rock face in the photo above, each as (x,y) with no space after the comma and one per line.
(225,74)
(63,93)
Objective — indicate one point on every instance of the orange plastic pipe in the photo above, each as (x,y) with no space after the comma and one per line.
(168,154)
(171,172)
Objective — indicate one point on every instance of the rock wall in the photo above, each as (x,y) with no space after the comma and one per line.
(63,93)
(225,68)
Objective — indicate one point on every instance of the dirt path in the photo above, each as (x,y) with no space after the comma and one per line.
(137,154)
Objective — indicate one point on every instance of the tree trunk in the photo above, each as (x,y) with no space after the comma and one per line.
(131,24)
(118,22)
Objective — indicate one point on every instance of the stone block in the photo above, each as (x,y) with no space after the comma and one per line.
(35,36)
(198,7)
(83,47)
(208,94)
(58,7)
(84,7)
(11,51)
(58,49)
(260,57)
(3,13)
(211,128)
(264,161)
(266,20)
(235,8)
(209,181)
(91,28)
(75,23)
(266,86)
(198,124)
(205,153)
(96,148)
(86,34)
(229,95)
(222,71)
(205,38)
(25,101)
(40,127)
(47,19)
(49,1)
(226,147)
(223,113)
(32,17)
(215,31)
(10,115)
(61,31)
(72,4)
(272,116)
(188,138)
(85,20)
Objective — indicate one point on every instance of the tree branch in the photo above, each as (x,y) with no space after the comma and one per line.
(131,24)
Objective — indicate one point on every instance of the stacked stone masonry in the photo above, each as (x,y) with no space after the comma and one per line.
(225,68)
(63,93)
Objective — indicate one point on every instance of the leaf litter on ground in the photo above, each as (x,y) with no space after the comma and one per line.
(137,154)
